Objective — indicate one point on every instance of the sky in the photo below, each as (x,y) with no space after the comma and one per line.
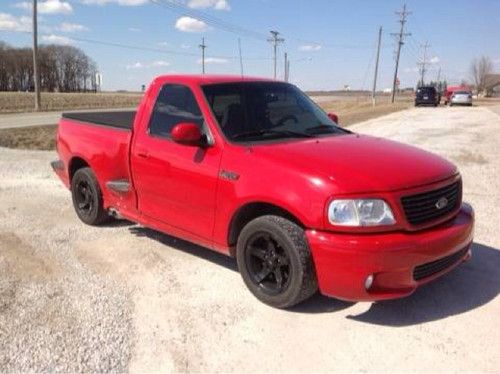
(330,43)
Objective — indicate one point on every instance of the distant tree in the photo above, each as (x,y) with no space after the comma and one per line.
(62,68)
(480,67)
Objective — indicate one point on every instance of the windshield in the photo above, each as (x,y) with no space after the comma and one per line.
(254,111)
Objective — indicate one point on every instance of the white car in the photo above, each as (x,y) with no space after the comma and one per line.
(461,98)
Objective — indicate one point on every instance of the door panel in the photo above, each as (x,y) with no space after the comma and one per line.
(175,184)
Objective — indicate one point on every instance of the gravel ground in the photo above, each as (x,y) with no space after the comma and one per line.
(120,298)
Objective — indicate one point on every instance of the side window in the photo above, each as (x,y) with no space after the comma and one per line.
(175,104)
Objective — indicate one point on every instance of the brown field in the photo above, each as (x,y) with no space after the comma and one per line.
(350,110)
(12,102)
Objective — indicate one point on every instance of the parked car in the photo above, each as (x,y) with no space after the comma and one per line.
(451,90)
(427,95)
(254,169)
(461,98)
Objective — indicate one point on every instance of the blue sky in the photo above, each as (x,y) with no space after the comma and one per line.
(330,43)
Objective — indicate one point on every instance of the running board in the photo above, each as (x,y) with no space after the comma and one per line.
(120,186)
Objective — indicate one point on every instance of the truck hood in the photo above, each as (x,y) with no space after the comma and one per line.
(359,163)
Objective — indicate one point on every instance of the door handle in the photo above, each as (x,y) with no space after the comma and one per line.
(143,154)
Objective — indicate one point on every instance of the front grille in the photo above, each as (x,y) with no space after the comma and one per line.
(434,267)
(423,207)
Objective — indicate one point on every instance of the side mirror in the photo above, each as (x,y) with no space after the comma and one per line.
(333,117)
(187,133)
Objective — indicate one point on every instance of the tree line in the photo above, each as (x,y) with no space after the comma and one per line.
(62,69)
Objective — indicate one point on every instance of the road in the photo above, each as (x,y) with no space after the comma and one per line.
(125,298)
(16,120)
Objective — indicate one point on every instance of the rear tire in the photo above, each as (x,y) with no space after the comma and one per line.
(275,261)
(87,198)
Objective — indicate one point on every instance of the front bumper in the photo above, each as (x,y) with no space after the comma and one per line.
(344,261)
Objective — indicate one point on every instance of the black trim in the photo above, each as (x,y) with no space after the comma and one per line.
(57,165)
(117,119)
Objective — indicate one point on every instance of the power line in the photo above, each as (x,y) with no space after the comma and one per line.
(203,46)
(36,72)
(423,63)
(275,40)
(374,89)
(402,20)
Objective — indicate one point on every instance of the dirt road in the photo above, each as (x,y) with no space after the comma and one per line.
(77,298)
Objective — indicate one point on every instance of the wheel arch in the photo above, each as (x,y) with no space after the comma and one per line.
(75,164)
(250,211)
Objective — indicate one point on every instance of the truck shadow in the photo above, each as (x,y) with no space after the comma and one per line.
(185,246)
(469,286)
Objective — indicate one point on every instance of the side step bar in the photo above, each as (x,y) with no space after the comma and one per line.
(120,185)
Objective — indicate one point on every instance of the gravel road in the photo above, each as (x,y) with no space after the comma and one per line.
(120,298)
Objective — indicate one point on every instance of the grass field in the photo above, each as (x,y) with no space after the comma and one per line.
(12,102)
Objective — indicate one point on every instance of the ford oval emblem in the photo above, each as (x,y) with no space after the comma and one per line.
(441,203)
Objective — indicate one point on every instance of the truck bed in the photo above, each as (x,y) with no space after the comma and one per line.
(118,119)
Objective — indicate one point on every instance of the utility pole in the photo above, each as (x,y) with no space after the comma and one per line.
(241,57)
(288,71)
(286,68)
(202,46)
(36,73)
(376,65)
(274,39)
(402,20)
(423,63)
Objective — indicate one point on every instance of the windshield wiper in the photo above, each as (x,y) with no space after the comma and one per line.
(288,133)
(332,129)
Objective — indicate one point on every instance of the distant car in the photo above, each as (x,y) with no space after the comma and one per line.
(461,98)
(451,90)
(427,95)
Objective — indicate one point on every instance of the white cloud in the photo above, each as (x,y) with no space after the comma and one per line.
(141,65)
(8,22)
(310,47)
(163,44)
(72,27)
(47,7)
(410,70)
(188,24)
(185,46)
(57,39)
(160,63)
(119,2)
(434,60)
(214,60)
(136,65)
(215,4)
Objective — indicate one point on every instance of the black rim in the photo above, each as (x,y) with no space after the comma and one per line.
(268,263)
(84,197)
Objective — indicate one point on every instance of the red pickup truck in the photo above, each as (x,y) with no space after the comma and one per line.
(254,169)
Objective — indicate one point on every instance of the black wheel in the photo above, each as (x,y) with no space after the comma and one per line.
(275,262)
(87,197)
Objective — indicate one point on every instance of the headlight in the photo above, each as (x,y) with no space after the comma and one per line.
(360,212)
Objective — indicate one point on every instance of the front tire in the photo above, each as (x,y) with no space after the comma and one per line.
(275,261)
(87,197)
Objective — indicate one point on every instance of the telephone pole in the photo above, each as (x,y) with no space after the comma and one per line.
(241,57)
(202,46)
(275,40)
(376,65)
(36,73)
(402,20)
(286,67)
(423,63)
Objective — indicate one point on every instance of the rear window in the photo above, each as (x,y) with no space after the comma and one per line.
(426,90)
(462,93)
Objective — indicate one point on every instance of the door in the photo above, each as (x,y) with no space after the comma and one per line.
(175,184)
